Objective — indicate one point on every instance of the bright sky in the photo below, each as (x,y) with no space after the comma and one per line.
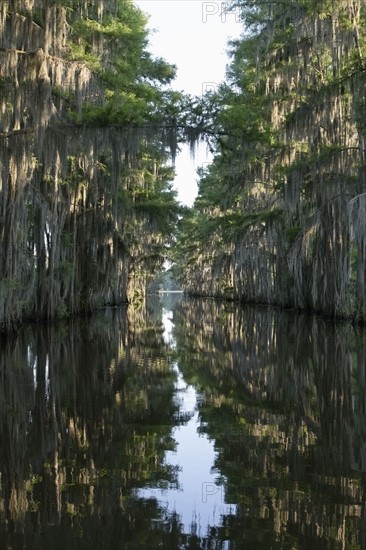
(192,34)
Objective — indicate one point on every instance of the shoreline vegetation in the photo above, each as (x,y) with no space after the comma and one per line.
(89,132)
(280,213)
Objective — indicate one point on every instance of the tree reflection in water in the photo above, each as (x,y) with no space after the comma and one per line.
(88,412)
(86,415)
(283,398)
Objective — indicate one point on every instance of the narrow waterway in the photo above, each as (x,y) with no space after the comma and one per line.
(187,423)
(198,497)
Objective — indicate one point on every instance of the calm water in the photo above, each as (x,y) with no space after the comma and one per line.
(186,424)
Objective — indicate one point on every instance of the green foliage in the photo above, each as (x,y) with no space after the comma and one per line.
(291,233)
(115,47)
(284,128)
(101,210)
(161,206)
(77,53)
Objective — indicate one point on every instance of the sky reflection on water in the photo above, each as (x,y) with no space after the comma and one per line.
(137,428)
(199,499)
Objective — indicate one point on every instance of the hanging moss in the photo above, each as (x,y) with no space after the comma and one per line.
(76,147)
(286,185)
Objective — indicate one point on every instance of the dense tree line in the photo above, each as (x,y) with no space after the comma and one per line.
(280,212)
(88,134)
(89,130)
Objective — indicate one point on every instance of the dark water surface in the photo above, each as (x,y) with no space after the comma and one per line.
(185,424)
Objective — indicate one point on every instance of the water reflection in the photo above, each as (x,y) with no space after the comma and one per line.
(198,498)
(137,429)
(86,416)
(284,403)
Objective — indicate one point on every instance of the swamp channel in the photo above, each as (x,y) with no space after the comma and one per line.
(187,423)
